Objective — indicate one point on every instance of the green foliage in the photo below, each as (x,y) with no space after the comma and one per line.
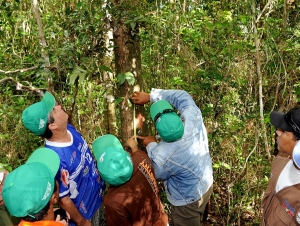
(15,141)
(79,73)
(128,76)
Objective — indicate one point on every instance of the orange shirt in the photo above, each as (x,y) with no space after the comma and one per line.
(40,223)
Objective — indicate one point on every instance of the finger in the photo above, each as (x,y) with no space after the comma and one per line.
(131,138)
(57,217)
(68,215)
(141,137)
(134,100)
(135,93)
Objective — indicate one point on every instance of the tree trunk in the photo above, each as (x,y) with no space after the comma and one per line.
(259,75)
(127,59)
(43,42)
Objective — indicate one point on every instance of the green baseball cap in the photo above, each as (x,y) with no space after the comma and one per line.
(28,188)
(167,122)
(35,116)
(47,156)
(114,163)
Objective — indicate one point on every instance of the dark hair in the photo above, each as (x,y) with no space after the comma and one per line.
(38,216)
(42,213)
(48,133)
(296,137)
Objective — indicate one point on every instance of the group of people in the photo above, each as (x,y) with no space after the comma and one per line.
(65,174)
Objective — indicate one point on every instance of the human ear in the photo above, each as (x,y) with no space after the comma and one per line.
(52,126)
(54,199)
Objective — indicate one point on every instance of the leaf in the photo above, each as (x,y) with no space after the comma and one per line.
(216,166)
(118,100)
(297,33)
(226,165)
(128,76)
(77,72)
(3,166)
(133,24)
(221,164)
(105,68)
(121,78)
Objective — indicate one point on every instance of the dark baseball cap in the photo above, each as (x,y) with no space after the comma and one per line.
(289,121)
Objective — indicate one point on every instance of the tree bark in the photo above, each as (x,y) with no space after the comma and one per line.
(127,59)
(43,42)
(259,75)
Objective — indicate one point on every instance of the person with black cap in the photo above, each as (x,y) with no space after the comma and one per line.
(181,159)
(281,205)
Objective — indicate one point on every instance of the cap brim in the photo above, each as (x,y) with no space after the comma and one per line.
(47,156)
(296,154)
(158,107)
(278,121)
(49,101)
(104,142)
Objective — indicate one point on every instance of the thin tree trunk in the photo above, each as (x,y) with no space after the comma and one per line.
(259,75)
(110,96)
(43,42)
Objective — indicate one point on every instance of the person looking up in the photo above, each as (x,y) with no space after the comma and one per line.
(80,186)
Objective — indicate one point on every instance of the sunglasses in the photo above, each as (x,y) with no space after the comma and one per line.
(289,119)
(161,113)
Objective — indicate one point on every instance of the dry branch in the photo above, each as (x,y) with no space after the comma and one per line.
(22,87)
(18,70)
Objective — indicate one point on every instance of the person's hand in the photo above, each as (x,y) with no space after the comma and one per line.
(63,222)
(3,173)
(66,215)
(140,98)
(146,140)
(132,143)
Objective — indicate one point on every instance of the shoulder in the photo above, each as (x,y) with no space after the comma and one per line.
(138,153)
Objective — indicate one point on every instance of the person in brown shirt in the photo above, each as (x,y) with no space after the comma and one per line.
(281,205)
(133,195)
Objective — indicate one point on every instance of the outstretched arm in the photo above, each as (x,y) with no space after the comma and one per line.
(146,140)
(140,98)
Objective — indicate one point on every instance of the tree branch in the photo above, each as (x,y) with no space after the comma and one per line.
(22,87)
(264,9)
(18,70)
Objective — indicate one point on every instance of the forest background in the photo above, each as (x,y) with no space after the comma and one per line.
(239,59)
